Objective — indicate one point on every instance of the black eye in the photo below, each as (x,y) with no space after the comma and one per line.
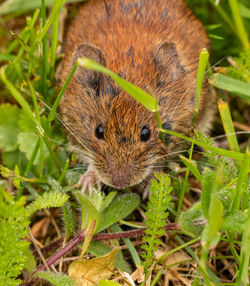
(99,132)
(145,134)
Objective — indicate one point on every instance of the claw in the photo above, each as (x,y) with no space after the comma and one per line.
(88,181)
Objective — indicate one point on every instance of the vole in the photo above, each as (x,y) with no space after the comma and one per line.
(155,45)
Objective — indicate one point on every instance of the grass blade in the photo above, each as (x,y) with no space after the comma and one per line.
(242,183)
(137,93)
(241,32)
(203,60)
(230,154)
(242,276)
(56,8)
(228,125)
(239,87)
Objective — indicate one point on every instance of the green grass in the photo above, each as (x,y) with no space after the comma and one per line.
(35,158)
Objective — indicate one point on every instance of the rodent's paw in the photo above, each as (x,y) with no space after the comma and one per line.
(88,181)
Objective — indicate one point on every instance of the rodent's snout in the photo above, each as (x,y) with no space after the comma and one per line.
(120,175)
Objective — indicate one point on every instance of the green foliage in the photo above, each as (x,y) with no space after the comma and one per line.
(13,230)
(47,200)
(118,209)
(57,279)
(14,220)
(240,68)
(156,215)
(9,128)
(31,141)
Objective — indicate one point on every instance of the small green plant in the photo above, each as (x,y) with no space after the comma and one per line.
(15,219)
(156,216)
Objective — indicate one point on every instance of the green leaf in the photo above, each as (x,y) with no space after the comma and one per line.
(57,279)
(228,125)
(219,151)
(25,124)
(119,208)
(97,248)
(106,282)
(192,221)
(207,182)
(203,60)
(236,86)
(13,229)
(242,183)
(68,215)
(235,222)
(244,11)
(210,235)
(26,142)
(137,93)
(192,167)
(243,275)
(89,212)
(226,196)
(46,200)
(9,129)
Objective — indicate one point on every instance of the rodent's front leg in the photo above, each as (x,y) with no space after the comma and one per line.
(88,180)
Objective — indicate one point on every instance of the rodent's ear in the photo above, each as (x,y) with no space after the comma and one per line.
(89,51)
(168,62)
(85,76)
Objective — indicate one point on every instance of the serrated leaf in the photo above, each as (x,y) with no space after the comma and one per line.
(57,279)
(90,272)
(9,129)
(46,200)
(119,208)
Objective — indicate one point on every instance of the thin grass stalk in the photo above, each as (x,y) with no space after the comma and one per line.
(41,158)
(45,52)
(243,277)
(33,157)
(228,125)
(130,246)
(224,16)
(203,60)
(230,154)
(185,183)
(52,113)
(241,32)
(65,168)
(53,49)
(242,183)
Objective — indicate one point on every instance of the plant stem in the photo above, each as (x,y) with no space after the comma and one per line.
(241,32)
(45,51)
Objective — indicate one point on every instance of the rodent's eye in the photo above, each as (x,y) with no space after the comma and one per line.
(99,132)
(145,134)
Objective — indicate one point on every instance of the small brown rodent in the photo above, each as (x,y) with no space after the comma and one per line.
(151,43)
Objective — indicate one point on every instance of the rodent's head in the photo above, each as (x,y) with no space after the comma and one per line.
(118,137)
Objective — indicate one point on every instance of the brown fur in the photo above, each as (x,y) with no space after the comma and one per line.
(151,43)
